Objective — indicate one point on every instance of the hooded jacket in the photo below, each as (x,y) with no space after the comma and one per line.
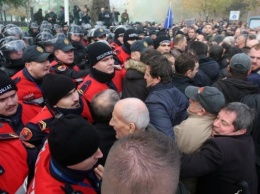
(235,88)
(134,84)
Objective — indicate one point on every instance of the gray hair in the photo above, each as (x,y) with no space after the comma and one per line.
(135,111)
(146,162)
(245,115)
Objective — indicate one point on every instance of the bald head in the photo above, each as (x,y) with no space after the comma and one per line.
(129,115)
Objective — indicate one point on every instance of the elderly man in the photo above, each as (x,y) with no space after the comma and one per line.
(205,103)
(129,115)
(228,159)
(143,162)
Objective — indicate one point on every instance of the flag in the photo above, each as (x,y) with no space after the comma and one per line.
(169,18)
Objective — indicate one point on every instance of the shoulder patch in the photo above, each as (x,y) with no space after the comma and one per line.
(62,68)
(25,134)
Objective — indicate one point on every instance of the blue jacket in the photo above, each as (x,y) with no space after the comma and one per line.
(167,107)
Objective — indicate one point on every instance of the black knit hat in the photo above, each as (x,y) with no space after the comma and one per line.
(130,34)
(160,40)
(55,87)
(98,51)
(6,83)
(72,140)
(119,32)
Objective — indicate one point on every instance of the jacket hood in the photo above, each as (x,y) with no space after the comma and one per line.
(133,64)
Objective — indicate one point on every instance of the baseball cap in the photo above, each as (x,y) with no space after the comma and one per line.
(240,61)
(139,46)
(99,32)
(34,53)
(63,44)
(210,98)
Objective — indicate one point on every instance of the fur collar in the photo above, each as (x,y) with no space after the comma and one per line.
(137,65)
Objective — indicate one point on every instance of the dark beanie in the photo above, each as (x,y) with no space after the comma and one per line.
(119,32)
(6,83)
(98,51)
(159,40)
(72,139)
(130,34)
(55,87)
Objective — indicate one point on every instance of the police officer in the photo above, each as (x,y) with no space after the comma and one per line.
(66,164)
(62,98)
(29,79)
(102,71)
(64,61)
(16,158)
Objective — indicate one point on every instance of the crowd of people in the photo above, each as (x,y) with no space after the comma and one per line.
(129,108)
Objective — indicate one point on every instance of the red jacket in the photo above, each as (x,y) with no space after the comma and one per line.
(13,159)
(121,55)
(36,130)
(44,183)
(95,87)
(28,90)
(73,71)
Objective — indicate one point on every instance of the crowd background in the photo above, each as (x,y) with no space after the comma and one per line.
(184,78)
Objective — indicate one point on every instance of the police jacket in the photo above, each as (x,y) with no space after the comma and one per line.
(71,71)
(122,54)
(16,158)
(29,88)
(37,129)
(90,86)
(44,182)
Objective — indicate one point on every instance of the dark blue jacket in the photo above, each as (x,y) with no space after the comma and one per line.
(254,78)
(182,82)
(210,68)
(167,107)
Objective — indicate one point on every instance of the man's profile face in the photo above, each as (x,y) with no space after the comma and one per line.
(150,81)
(88,163)
(8,103)
(223,124)
(121,127)
(70,101)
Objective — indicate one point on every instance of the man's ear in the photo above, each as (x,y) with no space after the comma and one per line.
(202,112)
(188,73)
(158,80)
(28,66)
(132,128)
(241,131)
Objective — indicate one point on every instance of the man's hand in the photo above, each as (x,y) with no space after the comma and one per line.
(99,170)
